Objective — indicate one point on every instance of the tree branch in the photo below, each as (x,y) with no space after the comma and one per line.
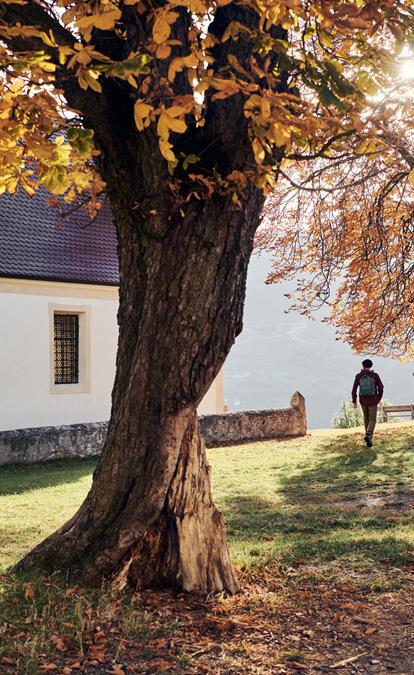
(32,14)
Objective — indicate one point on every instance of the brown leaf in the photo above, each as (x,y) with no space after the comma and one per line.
(161,665)
(7,661)
(157,643)
(117,670)
(29,591)
(59,643)
(370,630)
(49,666)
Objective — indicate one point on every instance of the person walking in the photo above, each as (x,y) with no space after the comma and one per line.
(370,394)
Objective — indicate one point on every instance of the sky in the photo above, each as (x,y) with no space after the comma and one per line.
(278,353)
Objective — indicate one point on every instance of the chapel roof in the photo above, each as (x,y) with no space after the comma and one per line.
(33,245)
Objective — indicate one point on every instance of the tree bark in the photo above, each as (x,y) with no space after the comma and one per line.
(149,517)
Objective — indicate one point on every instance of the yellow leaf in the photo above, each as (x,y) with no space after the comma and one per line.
(411,177)
(229,86)
(179,126)
(174,111)
(179,63)
(105,20)
(163,51)
(108,19)
(49,39)
(142,112)
(280,134)
(162,26)
(27,187)
(163,128)
(166,150)
(95,85)
(86,21)
(258,150)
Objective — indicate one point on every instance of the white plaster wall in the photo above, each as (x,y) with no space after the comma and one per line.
(25,397)
(213,401)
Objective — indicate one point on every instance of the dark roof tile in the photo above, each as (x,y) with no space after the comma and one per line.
(32,246)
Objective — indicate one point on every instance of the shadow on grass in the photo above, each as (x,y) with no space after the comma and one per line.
(312,533)
(20,478)
(344,505)
(347,468)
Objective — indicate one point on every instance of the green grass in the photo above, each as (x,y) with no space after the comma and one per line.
(322,498)
(319,498)
(35,500)
(324,504)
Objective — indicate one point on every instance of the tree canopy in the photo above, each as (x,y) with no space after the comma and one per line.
(343,228)
(329,131)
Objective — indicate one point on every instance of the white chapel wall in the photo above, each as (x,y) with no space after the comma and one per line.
(26,399)
(25,396)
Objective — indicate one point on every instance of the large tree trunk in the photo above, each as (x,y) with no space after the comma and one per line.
(149,516)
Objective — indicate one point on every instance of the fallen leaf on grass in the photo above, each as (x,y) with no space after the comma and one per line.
(7,661)
(370,630)
(59,643)
(161,665)
(19,635)
(157,643)
(29,591)
(49,666)
(116,670)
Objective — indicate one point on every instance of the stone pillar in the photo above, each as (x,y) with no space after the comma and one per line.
(297,402)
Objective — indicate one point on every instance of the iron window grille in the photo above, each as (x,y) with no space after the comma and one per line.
(66,348)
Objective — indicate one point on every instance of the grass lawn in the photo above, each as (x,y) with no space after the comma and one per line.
(321,518)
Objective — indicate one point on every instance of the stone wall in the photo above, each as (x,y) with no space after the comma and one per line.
(39,444)
(253,425)
(85,440)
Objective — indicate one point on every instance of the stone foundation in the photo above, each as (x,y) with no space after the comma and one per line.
(40,444)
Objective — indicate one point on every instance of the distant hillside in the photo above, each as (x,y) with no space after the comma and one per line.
(278,353)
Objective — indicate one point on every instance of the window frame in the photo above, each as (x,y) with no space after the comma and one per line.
(83,313)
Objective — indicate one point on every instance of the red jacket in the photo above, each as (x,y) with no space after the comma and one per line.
(368,400)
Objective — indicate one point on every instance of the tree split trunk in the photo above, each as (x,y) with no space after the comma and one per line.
(149,517)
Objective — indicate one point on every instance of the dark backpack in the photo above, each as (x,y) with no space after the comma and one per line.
(367,386)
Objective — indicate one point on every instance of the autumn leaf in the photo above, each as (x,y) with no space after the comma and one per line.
(29,591)
(49,666)
(117,670)
(162,25)
(142,113)
(167,150)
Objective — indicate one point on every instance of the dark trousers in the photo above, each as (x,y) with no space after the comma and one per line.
(370,418)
